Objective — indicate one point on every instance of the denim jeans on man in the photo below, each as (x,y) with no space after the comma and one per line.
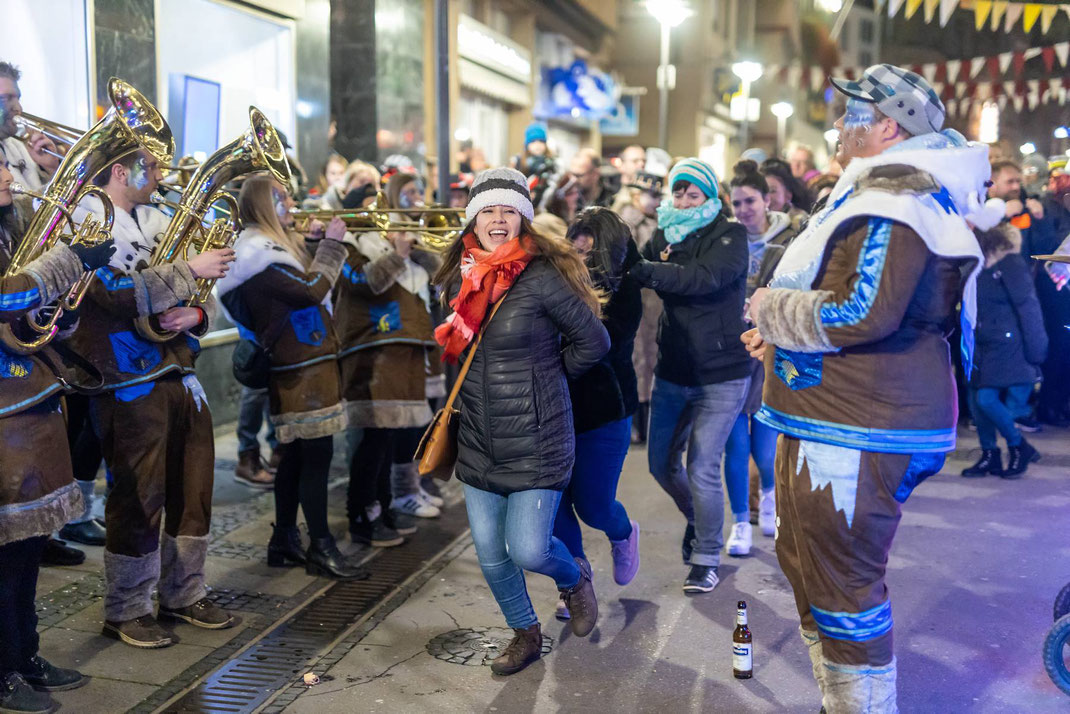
(990,413)
(252,407)
(697,420)
(592,490)
(512,534)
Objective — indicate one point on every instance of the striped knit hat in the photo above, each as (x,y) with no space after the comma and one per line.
(499,187)
(697,172)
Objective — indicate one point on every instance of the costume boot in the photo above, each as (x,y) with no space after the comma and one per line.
(860,689)
(285,547)
(522,650)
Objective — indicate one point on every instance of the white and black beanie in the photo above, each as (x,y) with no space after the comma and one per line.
(499,187)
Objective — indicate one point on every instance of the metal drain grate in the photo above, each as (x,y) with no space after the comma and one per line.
(290,649)
(476,646)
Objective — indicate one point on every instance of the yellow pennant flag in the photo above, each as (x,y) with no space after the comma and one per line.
(1047,14)
(1029,17)
(912,7)
(980,12)
(998,8)
(930,9)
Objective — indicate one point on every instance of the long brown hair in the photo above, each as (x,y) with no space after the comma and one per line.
(559,254)
(256,206)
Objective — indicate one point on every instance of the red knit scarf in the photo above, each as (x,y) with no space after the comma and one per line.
(485,276)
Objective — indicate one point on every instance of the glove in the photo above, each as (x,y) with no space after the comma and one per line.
(67,320)
(356,197)
(640,272)
(94,256)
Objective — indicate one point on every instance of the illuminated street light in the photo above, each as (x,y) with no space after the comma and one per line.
(830,5)
(669,14)
(748,72)
(988,125)
(1028,148)
(781,110)
(1062,132)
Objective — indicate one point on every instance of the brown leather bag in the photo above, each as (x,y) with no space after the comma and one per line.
(437,452)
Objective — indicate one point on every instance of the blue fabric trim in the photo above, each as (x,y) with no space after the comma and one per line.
(798,370)
(20,301)
(29,402)
(393,341)
(356,277)
(387,317)
(854,627)
(113,281)
(850,669)
(129,394)
(891,441)
(285,270)
(921,467)
(308,326)
(245,333)
(870,267)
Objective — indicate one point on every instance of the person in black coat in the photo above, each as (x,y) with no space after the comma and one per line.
(697,264)
(1011,344)
(604,399)
(516,441)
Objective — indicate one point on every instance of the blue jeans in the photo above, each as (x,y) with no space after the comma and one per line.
(749,437)
(252,407)
(697,420)
(592,491)
(512,534)
(991,413)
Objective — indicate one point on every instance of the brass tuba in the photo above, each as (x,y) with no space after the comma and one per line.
(131,124)
(258,149)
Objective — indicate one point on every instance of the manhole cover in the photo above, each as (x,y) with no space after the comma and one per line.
(475,646)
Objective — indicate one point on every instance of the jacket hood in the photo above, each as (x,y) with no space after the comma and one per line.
(778,222)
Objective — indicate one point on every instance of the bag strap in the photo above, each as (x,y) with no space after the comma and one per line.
(471,354)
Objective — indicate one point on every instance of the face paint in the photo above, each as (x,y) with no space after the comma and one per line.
(859,120)
(138,178)
(405,200)
(280,206)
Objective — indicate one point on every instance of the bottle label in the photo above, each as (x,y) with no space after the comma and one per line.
(742,661)
(741,617)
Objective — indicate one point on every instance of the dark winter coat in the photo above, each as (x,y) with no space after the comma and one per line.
(607,392)
(702,283)
(516,431)
(1010,339)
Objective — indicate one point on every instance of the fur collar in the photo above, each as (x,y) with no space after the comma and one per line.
(255,250)
(413,278)
(134,240)
(1012,243)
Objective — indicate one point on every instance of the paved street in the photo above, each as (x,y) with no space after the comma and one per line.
(974,572)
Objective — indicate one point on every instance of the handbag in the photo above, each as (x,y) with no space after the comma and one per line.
(251,362)
(436,455)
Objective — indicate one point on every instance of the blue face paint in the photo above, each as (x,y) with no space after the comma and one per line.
(139,175)
(860,115)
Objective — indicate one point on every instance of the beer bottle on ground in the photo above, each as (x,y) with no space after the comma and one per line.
(742,648)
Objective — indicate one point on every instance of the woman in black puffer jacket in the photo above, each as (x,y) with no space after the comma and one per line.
(604,399)
(516,442)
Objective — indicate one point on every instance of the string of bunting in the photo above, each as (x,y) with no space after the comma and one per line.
(993,13)
(959,83)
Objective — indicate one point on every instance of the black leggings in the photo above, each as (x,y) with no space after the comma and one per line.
(369,471)
(301,479)
(19,565)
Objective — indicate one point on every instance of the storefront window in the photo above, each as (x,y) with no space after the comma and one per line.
(399,59)
(487,123)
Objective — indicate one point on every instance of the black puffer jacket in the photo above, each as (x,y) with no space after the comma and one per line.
(702,284)
(608,391)
(1010,339)
(516,431)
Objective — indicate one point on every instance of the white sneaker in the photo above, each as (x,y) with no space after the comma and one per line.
(767,514)
(561,611)
(429,499)
(739,542)
(413,506)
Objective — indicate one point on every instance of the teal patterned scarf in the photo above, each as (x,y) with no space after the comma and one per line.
(679,223)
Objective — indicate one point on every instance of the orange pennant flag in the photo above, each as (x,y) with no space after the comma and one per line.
(1029,17)
(980,12)
(998,8)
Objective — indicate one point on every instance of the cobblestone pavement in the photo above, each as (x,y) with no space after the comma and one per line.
(973,574)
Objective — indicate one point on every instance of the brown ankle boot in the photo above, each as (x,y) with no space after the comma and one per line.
(250,471)
(581,602)
(525,648)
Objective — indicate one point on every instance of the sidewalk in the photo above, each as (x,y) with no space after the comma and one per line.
(973,575)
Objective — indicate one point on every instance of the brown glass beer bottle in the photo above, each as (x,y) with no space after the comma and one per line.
(742,648)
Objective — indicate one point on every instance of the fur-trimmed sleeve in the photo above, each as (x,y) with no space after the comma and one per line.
(144,292)
(43,280)
(791,320)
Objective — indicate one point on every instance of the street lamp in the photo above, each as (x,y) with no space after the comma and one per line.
(781,110)
(1028,148)
(1062,132)
(669,14)
(747,72)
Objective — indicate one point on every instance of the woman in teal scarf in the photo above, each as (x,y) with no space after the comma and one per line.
(697,263)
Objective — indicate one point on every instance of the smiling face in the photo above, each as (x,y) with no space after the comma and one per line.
(864,132)
(496,225)
(779,196)
(583,244)
(335,172)
(689,197)
(750,207)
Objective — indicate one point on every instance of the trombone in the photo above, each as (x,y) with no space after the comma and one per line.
(61,134)
(436,229)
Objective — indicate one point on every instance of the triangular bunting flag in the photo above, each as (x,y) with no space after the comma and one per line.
(947,9)
(1014,12)
(1019,102)
(981,8)
(1029,17)
(1062,49)
(953,70)
(998,8)
(1004,62)
(952,108)
(1034,86)
(1047,14)
(1031,53)
(817,79)
(912,7)
(1047,55)
(930,9)
(1034,100)
(975,66)
(994,68)
(1002,101)
(1019,63)
(939,89)
(794,75)
(1053,87)
(929,72)
(893,7)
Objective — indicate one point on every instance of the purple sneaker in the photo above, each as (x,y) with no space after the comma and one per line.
(626,557)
